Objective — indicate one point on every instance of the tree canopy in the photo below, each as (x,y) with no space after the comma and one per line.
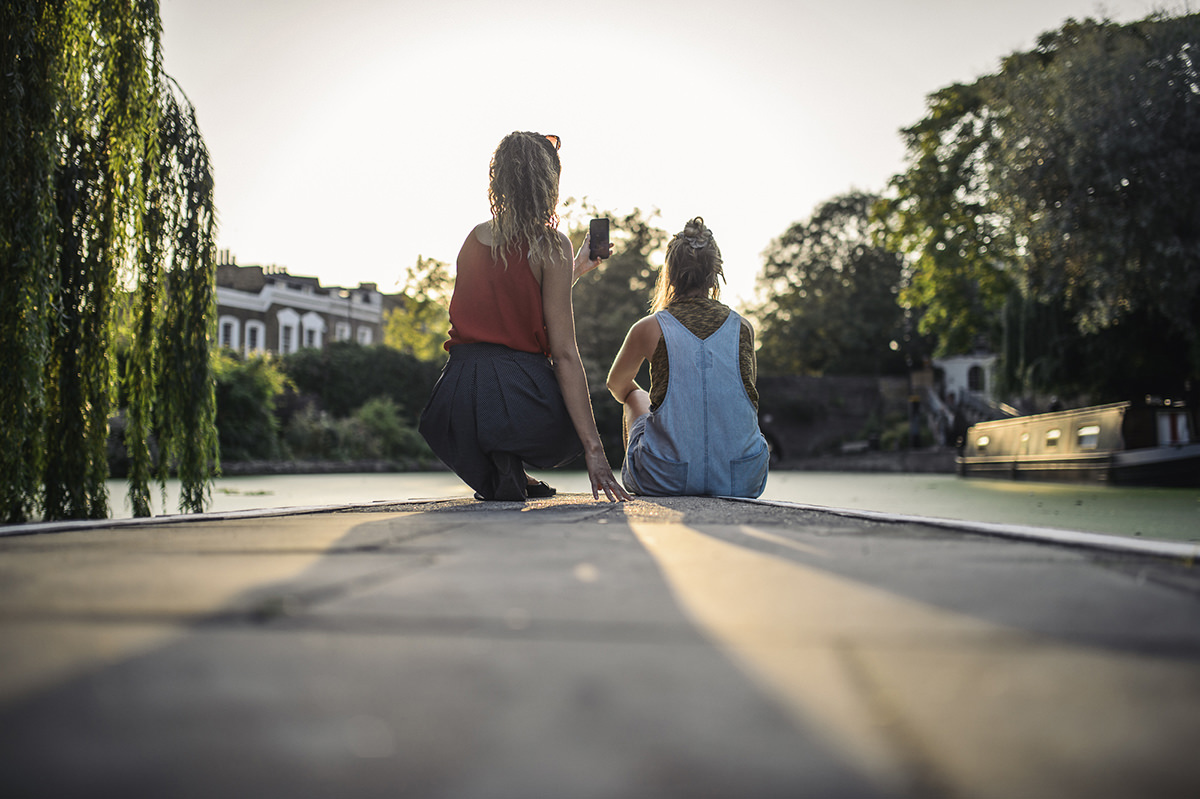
(105,187)
(1052,208)
(828,296)
(418,327)
(608,300)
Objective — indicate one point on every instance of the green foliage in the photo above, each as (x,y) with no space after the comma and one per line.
(1051,208)
(95,145)
(247,392)
(376,431)
(346,402)
(168,377)
(896,434)
(1099,167)
(941,218)
(311,434)
(345,375)
(418,328)
(830,296)
(383,421)
(1043,349)
(609,299)
(30,71)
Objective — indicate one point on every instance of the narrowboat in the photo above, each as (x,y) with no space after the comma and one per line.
(1118,443)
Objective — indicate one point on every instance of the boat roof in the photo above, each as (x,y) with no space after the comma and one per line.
(1054,416)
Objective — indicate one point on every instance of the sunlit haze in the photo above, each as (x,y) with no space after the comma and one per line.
(351,136)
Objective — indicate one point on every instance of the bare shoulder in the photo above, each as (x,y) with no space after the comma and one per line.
(561,253)
(645,334)
(564,247)
(647,323)
(483,233)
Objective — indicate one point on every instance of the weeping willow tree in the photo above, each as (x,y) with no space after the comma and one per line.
(105,192)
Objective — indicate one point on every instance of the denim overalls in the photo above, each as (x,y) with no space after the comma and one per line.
(704,437)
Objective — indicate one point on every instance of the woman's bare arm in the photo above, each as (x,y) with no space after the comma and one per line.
(640,343)
(557,278)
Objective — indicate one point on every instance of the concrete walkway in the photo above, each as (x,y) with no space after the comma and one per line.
(566,648)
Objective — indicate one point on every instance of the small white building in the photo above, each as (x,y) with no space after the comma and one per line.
(271,311)
(967,375)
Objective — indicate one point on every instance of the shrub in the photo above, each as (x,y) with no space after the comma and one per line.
(247,390)
(345,375)
(310,434)
(383,423)
(376,431)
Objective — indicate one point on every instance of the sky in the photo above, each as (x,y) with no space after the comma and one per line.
(349,137)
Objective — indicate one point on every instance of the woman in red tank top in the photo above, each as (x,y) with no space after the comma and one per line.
(513,391)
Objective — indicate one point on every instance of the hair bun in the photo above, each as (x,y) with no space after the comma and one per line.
(696,234)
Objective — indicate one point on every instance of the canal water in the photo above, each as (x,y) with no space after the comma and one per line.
(1159,513)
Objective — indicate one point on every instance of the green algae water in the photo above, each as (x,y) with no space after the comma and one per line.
(1171,514)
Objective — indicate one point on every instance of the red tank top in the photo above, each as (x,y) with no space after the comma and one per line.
(494,304)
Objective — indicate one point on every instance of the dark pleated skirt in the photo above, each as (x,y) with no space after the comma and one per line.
(494,408)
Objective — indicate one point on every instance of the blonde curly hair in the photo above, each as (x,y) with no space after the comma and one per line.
(693,262)
(523,193)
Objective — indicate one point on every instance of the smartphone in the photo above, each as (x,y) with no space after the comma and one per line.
(598,229)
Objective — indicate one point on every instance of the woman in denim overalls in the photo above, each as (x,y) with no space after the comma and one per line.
(696,431)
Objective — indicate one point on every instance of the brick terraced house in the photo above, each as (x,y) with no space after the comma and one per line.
(261,310)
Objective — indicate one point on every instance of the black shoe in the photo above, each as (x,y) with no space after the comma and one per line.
(510,477)
(539,490)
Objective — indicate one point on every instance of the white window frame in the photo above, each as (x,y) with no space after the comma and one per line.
(289,330)
(313,324)
(255,326)
(235,339)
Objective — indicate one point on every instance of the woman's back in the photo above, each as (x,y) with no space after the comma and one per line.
(703,317)
(496,302)
(698,433)
(704,437)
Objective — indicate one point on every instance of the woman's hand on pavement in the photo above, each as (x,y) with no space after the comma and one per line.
(601,476)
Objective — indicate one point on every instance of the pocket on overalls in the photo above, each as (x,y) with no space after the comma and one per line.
(658,476)
(748,475)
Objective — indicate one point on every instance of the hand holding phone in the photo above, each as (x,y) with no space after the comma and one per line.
(598,243)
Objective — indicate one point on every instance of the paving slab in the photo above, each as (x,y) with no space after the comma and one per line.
(568,648)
